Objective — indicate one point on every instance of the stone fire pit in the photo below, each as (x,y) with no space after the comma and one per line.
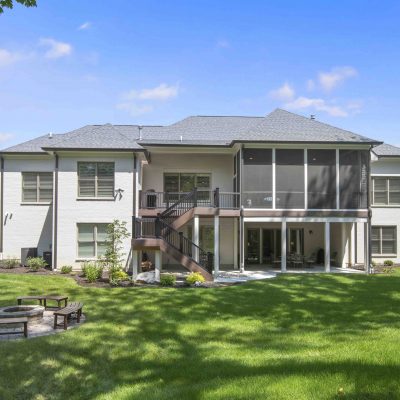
(32,312)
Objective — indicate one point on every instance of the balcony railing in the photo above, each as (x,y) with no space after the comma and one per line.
(205,198)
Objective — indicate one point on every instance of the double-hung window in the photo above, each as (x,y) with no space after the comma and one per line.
(96,179)
(37,187)
(386,191)
(175,183)
(92,240)
(384,240)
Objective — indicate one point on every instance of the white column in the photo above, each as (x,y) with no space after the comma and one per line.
(352,244)
(283,244)
(196,236)
(366,247)
(216,244)
(158,265)
(241,244)
(305,179)
(235,243)
(260,247)
(273,179)
(327,246)
(135,263)
(337,180)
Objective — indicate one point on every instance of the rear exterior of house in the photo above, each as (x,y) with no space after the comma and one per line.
(207,193)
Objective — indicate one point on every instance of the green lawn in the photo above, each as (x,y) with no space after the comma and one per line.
(294,337)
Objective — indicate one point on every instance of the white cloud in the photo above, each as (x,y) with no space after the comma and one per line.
(4,137)
(223,44)
(317,105)
(84,26)
(285,92)
(161,92)
(55,49)
(330,80)
(135,109)
(7,57)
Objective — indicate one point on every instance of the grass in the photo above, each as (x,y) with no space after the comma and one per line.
(294,337)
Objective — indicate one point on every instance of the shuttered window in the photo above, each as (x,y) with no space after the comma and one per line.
(37,187)
(96,179)
(386,191)
(384,240)
(92,240)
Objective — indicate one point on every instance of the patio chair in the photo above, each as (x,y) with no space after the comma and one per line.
(311,260)
(297,261)
(333,258)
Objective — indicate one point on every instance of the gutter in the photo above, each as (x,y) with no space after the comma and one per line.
(55,213)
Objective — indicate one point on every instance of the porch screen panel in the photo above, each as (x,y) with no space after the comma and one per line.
(353,179)
(321,179)
(290,179)
(257,178)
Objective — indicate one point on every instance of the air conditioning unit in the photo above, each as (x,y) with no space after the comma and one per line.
(27,252)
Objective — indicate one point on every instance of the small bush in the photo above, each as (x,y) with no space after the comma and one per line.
(66,269)
(9,263)
(35,263)
(92,271)
(387,270)
(388,263)
(167,280)
(194,277)
(118,276)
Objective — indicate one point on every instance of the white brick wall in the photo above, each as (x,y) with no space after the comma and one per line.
(25,225)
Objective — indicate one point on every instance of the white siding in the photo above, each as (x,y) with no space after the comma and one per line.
(72,211)
(25,225)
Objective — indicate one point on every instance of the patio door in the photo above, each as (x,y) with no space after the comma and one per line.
(271,245)
(253,245)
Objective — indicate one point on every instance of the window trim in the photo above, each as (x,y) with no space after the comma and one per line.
(95,227)
(387,191)
(381,254)
(37,188)
(96,179)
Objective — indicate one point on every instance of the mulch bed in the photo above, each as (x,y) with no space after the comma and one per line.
(25,270)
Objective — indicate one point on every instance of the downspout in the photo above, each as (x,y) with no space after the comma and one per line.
(134,197)
(2,207)
(55,212)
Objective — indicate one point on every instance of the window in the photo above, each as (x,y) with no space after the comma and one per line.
(92,240)
(384,240)
(37,187)
(386,191)
(96,179)
(175,183)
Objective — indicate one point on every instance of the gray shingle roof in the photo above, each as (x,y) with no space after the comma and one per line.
(386,150)
(278,126)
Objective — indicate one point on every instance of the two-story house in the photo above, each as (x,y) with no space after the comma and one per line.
(207,192)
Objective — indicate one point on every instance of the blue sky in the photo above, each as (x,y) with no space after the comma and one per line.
(69,63)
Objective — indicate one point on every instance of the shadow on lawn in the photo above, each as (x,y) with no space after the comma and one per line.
(170,343)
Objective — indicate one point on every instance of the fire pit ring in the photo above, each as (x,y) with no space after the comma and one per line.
(32,312)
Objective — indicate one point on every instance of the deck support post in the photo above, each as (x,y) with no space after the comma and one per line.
(216,244)
(135,263)
(241,240)
(327,246)
(366,247)
(158,262)
(235,243)
(283,245)
(196,236)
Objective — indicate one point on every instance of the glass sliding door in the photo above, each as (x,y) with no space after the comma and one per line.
(296,241)
(271,245)
(253,245)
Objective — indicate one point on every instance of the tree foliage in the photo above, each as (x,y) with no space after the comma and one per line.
(9,4)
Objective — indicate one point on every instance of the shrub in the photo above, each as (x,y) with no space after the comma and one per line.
(92,271)
(117,276)
(388,263)
(194,277)
(387,270)
(35,263)
(9,263)
(167,280)
(66,269)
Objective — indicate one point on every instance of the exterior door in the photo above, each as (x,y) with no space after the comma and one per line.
(253,246)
